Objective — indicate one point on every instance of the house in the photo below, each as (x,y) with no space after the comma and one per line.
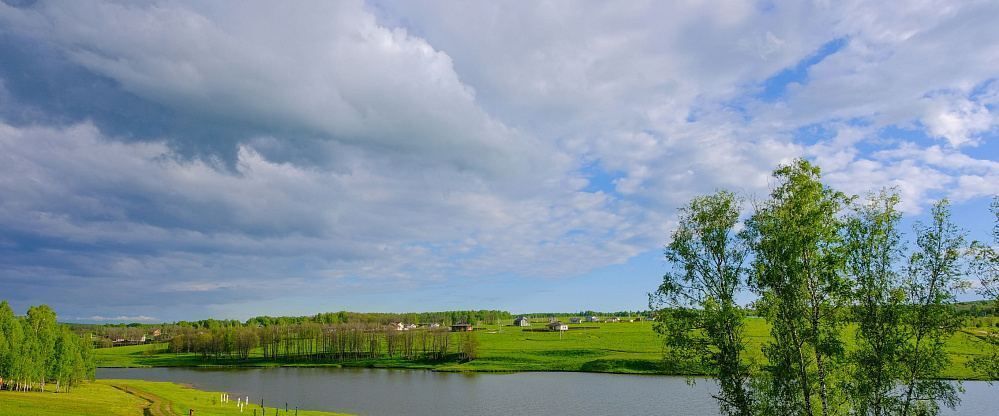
(398,326)
(461,327)
(410,326)
(558,326)
(613,319)
(157,333)
(575,320)
(592,319)
(435,325)
(522,321)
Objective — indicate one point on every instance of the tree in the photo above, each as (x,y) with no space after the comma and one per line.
(42,320)
(798,273)
(11,338)
(933,272)
(874,251)
(469,346)
(695,305)
(65,359)
(985,264)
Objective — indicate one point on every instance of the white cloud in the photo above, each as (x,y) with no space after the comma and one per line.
(399,144)
(170,225)
(335,72)
(958,120)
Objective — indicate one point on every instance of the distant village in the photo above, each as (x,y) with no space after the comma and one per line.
(115,336)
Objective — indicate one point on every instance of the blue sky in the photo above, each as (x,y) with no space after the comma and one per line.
(177,160)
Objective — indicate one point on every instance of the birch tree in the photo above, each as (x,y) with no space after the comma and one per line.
(695,306)
(934,271)
(985,264)
(798,273)
(874,256)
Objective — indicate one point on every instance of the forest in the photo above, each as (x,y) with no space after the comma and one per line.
(35,350)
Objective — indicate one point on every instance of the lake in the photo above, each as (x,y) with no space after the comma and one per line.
(382,392)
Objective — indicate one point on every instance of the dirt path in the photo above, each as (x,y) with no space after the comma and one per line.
(157,406)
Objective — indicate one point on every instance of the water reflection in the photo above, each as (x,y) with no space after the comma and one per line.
(380,392)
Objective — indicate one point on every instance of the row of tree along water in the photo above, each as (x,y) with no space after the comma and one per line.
(35,350)
(823,264)
(132,333)
(313,342)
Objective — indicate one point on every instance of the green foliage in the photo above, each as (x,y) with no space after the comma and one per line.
(695,305)
(874,250)
(798,273)
(35,350)
(934,271)
(985,264)
(850,332)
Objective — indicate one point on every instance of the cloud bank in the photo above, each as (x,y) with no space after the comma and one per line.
(181,159)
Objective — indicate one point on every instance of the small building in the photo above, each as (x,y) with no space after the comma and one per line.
(157,333)
(592,319)
(398,326)
(461,327)
(613,319)
(575,320)
(410,326)
(522,321)
(435,325)
(558,326)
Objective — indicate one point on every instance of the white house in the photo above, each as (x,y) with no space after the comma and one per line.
(558,326)
(592,319)
(522,321)
(575,320)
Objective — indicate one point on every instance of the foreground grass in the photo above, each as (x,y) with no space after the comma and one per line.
(126,397)
(87,399)
(631,348)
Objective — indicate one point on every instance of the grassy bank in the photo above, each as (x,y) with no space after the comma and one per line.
(125,397)
(613,348)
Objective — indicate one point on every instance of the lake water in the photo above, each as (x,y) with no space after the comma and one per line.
(379,392)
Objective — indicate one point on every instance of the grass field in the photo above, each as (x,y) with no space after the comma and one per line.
(126,397)
(613,348)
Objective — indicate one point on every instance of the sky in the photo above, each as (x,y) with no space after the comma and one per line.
(168,160)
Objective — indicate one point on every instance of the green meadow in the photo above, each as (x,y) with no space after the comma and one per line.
(625,347)
(126,397)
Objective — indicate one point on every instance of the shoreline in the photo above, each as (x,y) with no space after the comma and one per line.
(456,371)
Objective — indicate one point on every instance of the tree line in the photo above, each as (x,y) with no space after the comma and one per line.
(315,342)
(824,265)
(342,317)
(35,349)
(620,314)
